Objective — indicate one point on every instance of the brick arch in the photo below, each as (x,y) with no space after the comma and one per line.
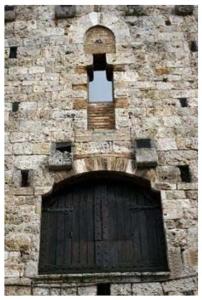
(99,39)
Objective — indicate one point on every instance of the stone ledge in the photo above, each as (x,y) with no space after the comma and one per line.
(100,277)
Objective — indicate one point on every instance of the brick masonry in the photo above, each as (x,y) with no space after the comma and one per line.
(154,67)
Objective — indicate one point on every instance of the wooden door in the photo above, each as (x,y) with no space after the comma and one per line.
(101,225)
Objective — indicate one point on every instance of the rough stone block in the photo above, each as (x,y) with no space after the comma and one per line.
(10,15)
(146,157)
(121,289)
(60,160)
(147,289)
(17,290)
(40,291)
(87,290)
(166,144)
(68,291)
(190,257)
(184,10)
(172,209)
(65,11)
(135,10)
(55,291)
(181,285)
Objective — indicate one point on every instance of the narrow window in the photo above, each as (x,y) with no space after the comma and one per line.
(185,173)
(183,102)
(13,52)
(15,106)
(193,46)
(143,143)
(103,289)
(100,78)
(25,178)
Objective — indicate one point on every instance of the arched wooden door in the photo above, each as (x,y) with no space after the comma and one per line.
(101,224)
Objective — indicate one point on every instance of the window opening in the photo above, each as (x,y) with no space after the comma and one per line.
(185,173)
(103,289)
(13,52)
(15,106)
(25,178)
(100,78)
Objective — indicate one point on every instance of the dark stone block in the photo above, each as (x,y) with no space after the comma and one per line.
(10,15)
(184,10)
(65,11)
(135,10)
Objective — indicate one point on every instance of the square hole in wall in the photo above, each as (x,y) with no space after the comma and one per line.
(167,22)
(143,143)
(13,52)
(183,102)
(193,46)
(15,106)
(9,7)
(185,173)
(25,178)
(63,147)
(103,289)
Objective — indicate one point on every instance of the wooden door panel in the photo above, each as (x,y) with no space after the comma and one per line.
(101,226)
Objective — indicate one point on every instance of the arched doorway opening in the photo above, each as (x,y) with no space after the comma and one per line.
(102,222)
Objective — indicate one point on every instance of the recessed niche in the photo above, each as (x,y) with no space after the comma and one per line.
(185,173)
(63,147)
(103,289)
(143,143)
(15,106)
(193,46)
(183,102)
(13,52)
(167,22)
(25,178)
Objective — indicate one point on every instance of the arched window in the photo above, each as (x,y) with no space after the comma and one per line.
(99,41)
(102,222)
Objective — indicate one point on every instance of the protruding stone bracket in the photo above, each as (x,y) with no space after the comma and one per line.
(135,10)
(146,154)
(10,14)
(184,10)
(65,11)
(61,157)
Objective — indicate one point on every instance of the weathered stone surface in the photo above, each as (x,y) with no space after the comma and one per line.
(17,291)
(181,285)
(41,291)
(135,10)
(148,48)
(121,289)
(147,289)
(87,290)
(184,10)
(65,11)
(60,160)
(146,157)
(68,291)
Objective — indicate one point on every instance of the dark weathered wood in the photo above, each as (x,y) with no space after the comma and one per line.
(102,225)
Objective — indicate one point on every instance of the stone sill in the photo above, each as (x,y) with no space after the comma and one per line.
(101,277)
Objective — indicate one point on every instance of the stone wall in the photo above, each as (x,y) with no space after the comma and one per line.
(155,67)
